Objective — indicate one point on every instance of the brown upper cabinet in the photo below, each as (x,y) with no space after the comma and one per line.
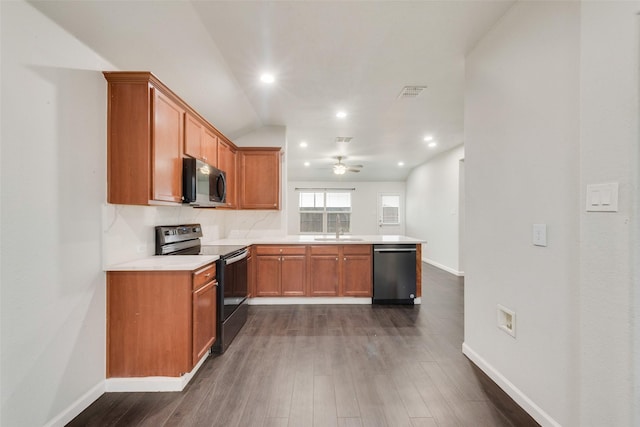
(227,163)
(150,129)
(259,178)
(200,141)
(145,137)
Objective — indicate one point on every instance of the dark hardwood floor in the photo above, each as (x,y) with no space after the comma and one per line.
(324,365)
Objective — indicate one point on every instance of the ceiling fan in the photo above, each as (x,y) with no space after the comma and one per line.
(340,168)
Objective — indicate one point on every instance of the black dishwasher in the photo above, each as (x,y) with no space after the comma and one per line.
(394,274)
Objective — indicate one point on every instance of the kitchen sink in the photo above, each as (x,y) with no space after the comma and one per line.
(337,239)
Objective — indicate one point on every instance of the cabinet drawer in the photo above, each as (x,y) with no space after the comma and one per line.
(324,250)
(204,275)
(281,250)
(356,249)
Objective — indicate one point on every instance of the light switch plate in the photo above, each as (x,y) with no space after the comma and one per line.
(539,234)
(602,197)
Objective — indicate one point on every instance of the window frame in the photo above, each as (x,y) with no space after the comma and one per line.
(381,221)
(325,212)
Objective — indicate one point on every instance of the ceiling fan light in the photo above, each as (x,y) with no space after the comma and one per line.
(339,169)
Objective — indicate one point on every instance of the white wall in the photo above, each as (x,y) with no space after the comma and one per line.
(609,259)
(364,203)
(432,208)
(53,179)
(521,168)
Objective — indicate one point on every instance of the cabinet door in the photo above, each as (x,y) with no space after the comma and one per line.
(268,276)
(209,147)
(167,149)
(204,320)
(259,182)
(324,275)
(149,316)
(193,132)
(227,163)
(356,276)
(293,275)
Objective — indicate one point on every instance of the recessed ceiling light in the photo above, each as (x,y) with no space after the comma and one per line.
(400,164)
(341,114)
(267,78)
(303,144)
(307,163)
(428,138)
(432,144)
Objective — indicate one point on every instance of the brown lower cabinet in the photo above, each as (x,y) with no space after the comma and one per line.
(324,271)
(159,323)
(357,271)
(314,270)
(340,270)
(280,271)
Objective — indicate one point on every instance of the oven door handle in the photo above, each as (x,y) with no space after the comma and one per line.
(237,258)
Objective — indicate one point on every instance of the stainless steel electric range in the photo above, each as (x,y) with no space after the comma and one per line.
(231,274)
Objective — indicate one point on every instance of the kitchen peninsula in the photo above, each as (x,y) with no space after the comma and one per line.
(317,269)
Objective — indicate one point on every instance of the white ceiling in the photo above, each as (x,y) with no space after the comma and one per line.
(326,55)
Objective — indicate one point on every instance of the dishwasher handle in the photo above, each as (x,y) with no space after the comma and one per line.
(395,250)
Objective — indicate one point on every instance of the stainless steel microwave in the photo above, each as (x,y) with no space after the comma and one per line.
(202,184)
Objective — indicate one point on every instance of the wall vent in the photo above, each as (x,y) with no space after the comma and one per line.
(343,139)
(411,91)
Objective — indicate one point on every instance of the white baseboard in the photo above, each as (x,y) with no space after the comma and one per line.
(77,407)
(515,393)
(307,300)
(313,300)
(152,383)
(443,267)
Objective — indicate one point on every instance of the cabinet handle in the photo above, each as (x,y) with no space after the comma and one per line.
(207,275)
(345,259)
(336,259)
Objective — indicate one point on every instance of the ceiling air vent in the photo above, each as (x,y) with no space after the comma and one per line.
(343,139)
(411,91)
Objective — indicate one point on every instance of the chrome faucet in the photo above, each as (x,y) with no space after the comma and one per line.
(338,226)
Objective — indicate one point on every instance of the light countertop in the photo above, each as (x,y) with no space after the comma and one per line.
(165,263)
(319,239)
(193,262)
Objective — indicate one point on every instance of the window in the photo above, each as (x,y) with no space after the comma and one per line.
(389,209)
(324,212)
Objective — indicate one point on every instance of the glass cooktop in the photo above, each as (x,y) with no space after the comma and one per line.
(220,250)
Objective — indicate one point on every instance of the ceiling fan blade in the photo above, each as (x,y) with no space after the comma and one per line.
(353,170)
(355,166)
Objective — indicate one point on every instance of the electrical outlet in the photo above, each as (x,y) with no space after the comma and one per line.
(507,320)
(539,234)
